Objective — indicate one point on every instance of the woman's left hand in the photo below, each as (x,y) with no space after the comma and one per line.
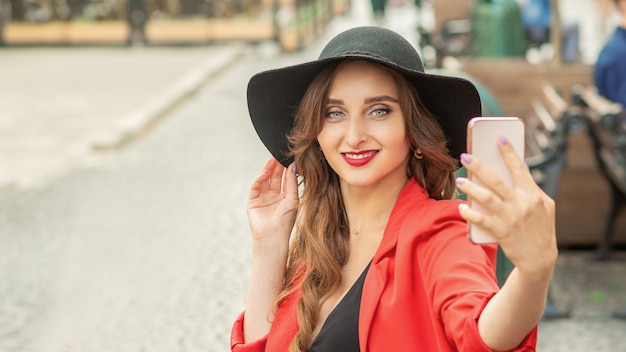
(520,217)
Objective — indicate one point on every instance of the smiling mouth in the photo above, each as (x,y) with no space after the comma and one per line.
(359,159)
(359,155)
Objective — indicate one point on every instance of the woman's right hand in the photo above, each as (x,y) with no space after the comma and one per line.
(273,202)
(272,207)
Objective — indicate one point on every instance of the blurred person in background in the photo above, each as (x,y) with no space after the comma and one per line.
(537,22)
(609,73)
(536,18)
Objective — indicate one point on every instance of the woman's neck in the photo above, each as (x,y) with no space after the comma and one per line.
(368,208)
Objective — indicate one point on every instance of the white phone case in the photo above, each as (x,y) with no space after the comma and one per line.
(482,136)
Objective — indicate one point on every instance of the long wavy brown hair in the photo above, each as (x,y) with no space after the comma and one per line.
(319,247)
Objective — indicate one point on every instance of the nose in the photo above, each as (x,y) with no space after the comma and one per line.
(356,131)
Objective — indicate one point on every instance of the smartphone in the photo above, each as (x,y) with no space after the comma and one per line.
(482,137)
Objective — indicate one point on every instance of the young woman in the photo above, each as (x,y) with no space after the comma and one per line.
(358,244)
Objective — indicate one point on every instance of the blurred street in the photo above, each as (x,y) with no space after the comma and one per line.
(128,231)
(62,104)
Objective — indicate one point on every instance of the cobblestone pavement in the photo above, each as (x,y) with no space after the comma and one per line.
(148,248)
(589,291)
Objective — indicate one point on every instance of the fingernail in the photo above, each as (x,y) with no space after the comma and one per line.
(460,180)
(466,158)
(503,140)
(293,168)
(462,206)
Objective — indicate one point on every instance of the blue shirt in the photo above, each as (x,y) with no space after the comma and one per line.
(609,72)
(536,14)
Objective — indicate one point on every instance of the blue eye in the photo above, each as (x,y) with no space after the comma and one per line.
(380,112)
(334,114)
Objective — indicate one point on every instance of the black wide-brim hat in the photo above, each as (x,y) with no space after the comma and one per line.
(274,95)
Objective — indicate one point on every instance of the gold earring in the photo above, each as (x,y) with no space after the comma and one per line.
(418,154)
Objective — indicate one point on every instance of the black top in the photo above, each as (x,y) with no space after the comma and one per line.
(340,332)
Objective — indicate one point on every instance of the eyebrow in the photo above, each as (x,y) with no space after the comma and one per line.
(381,98)
(375,99)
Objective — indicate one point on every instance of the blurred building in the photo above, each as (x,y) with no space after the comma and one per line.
(292,22)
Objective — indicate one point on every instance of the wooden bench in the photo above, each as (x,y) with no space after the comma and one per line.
(606,127)
(547,129)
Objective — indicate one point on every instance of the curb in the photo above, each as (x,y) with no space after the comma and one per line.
(143,119)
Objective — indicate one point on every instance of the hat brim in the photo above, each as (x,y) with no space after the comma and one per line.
(274,95)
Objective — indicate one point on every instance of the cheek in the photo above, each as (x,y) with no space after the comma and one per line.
(328,136)
(322,138)
(401,146)
(403,149)
(394,137)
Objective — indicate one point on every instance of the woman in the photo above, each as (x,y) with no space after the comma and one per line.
(368,252)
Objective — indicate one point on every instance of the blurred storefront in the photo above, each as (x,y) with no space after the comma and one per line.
(291,22)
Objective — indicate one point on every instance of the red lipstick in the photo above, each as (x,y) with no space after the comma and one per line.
(359,158)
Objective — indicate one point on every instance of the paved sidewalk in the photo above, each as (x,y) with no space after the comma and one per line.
(60,104)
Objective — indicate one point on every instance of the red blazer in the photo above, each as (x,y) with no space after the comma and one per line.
(424,291)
